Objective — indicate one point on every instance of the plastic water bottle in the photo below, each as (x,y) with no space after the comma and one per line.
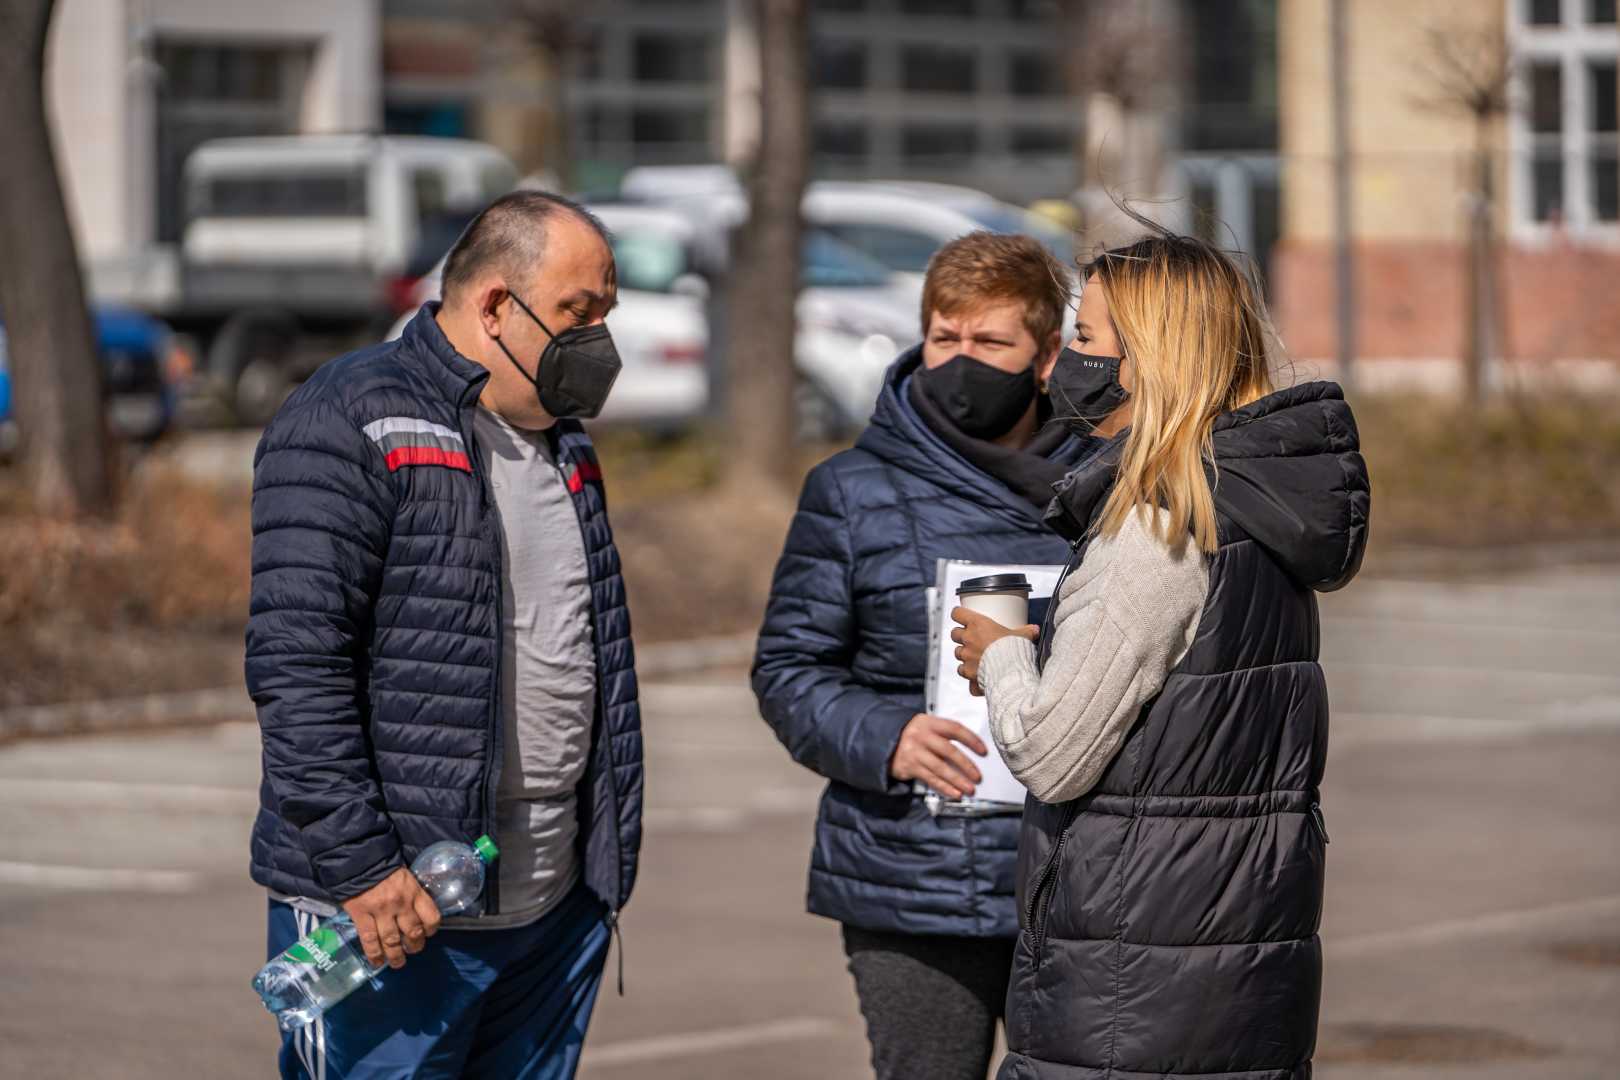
(322,969)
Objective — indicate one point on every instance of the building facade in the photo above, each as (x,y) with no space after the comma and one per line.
(973,92)
(134,85)
(1554,181)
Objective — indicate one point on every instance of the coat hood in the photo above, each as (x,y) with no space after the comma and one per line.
(1288,471)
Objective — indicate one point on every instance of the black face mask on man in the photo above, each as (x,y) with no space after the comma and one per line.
(576,371)
(981,400)
(1085,389)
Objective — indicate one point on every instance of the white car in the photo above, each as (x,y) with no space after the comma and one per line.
(898,223)
(902,224)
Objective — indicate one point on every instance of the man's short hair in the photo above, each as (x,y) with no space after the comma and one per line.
(509,236)
(986,268)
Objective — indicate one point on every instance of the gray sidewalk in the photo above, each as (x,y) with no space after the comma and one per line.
(1472,930)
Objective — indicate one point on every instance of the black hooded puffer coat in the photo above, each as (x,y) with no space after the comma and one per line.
(1169,916)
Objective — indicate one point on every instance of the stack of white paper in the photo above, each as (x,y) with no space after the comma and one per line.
(948,694)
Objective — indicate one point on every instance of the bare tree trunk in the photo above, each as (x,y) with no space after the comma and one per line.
(1344,259)
(764,278)
(1480,339)
(51,349)
(1077,85)
(558,142)
(550,33)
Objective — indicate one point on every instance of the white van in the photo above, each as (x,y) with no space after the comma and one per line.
(351,200)
(298,248)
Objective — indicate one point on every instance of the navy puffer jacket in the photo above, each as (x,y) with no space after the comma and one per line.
(374,635)
(841,665)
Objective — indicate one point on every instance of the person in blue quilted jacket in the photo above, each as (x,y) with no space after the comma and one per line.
(438,648)
(957,463)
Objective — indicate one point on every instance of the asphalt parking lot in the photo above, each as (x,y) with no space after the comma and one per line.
(1472,930)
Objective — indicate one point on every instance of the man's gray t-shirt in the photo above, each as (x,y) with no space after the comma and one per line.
(548,671)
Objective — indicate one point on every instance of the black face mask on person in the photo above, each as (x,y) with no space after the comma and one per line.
(1085,389)
(576,370)
(982,401)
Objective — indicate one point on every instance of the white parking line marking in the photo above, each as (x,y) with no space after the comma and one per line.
(661,1048)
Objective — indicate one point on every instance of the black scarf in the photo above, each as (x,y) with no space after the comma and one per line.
(1030,472)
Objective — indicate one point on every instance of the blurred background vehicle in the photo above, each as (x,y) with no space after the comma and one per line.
(142,364)
(898,223)
(293,249)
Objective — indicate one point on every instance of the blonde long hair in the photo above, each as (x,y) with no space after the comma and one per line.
(1194,328)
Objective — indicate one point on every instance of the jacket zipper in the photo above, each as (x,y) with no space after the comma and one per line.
(1319,821)
(1049,622)
(1040,902)
(601,710)
(617,932)
(492,887)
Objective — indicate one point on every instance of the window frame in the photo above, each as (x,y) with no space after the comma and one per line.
(1572,45)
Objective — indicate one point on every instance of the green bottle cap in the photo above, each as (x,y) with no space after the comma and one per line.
(486,849)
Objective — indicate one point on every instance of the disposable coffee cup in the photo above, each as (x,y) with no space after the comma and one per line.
(1002,597)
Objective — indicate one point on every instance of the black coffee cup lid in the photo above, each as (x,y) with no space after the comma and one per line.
(995,583)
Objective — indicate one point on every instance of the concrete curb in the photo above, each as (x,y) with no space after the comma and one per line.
(228,703)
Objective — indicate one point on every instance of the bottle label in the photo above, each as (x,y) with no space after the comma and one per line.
(319,949)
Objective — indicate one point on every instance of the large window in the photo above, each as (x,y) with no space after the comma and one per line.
(938,144)
(212,90)
(671,58)
(837,64)
(1040,141)
(1603,157)
(1542,12)
(1547,134)
(673,125)
(1034,74)
(1565,140)
(958,8)
(1231,102)
(938,69)
(841,141)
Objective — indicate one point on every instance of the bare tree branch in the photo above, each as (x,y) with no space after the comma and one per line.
(1467,70)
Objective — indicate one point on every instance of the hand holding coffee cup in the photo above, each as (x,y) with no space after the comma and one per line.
(989,609)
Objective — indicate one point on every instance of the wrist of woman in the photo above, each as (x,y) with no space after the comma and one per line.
(1009,656)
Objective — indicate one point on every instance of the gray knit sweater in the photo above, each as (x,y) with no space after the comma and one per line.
(1125,616)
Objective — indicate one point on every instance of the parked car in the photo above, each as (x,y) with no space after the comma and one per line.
(853,317)
(898,223)
(141,359)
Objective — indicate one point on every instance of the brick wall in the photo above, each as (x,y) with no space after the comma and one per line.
(1557,304)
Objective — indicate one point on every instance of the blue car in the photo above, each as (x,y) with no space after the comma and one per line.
(136,354)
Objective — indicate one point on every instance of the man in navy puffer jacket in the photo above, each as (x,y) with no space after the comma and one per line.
(954,465)
(438,648)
